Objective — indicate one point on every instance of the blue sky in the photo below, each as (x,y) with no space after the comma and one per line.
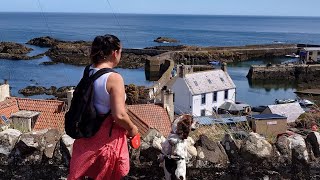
(214,7)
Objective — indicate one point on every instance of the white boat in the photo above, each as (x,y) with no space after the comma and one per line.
(293,55)
(305,103)
(285,101)
(214,62)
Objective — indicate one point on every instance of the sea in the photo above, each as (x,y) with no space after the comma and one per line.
(139,31)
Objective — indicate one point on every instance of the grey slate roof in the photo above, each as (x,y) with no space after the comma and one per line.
(267,116)
(208,81)
(291,110)
(209,120)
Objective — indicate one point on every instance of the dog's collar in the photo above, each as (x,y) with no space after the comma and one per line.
(174,157)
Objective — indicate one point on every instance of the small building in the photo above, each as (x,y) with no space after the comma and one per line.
(310,55)
(33,114)
(290,110)
(269,125)
(201,93)
(234,108)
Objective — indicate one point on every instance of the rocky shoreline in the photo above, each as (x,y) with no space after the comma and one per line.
(77,52)
(15,51)
(135,94)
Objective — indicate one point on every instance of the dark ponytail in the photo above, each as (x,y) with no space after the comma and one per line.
(102,47)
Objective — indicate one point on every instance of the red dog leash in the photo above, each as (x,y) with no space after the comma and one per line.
(135,141)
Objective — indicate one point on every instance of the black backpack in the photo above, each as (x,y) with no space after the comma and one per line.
(82,119)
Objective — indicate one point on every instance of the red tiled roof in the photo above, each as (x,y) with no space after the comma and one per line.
(142,126)
(40,105)
(49,120)
(7,107)
(51,111)
(153,116)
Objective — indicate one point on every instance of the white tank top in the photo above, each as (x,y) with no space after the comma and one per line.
(101,99)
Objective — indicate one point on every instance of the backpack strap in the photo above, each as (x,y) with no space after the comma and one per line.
(86,71)
(95,76)
(101,72)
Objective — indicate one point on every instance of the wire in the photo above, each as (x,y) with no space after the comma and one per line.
(50,32)
(44,17)
(117,20)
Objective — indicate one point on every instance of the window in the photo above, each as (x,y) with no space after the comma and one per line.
(310,53)
(203,112)
(195,83)
(4,119)
(215,96)
(226,94)
(209,81)
(203,98)
(214,110)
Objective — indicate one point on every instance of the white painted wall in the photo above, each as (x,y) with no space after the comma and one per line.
(182,97)
(4,92)
(210,104)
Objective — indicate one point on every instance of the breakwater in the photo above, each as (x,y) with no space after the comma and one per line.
(201,55)
(300,72)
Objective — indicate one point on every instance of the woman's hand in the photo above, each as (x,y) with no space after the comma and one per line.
(133,131)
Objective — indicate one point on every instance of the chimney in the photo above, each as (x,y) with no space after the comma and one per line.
(184,69)
(24,121)
(167,102)
(4,90)
(224,66)
(69,97)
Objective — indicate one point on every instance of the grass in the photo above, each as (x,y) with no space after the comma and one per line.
(216,132)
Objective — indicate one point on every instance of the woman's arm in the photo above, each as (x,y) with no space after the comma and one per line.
(115,87)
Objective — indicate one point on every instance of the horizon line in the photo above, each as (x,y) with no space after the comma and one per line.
(247,15)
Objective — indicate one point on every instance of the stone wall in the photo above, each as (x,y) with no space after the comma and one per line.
(46,154)
(300,73)
(150,52)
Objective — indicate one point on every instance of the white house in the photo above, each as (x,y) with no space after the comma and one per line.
(201,93)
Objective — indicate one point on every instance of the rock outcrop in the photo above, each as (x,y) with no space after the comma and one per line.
(15,51)
(210,154)
(165,40)
(46,41)
(78,53)
(135,94)
(13,48)
(38,90)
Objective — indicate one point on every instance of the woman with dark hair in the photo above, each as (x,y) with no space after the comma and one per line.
(104,157)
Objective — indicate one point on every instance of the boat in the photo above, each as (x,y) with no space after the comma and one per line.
(293,55)
(285,101)
(214,62)
(305,103)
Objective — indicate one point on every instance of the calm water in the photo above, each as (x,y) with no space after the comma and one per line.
(139,31)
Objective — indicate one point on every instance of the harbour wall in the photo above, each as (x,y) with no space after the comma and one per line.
(300,73)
